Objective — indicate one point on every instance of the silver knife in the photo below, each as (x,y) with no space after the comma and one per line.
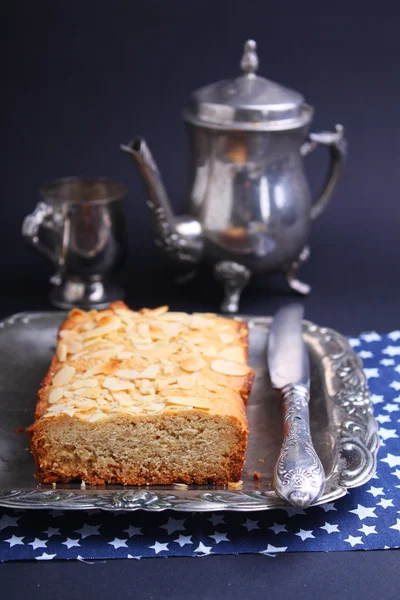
(299,476)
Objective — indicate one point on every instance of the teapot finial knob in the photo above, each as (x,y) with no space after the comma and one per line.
(249,62)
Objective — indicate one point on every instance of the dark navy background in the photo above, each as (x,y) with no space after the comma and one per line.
(79,78)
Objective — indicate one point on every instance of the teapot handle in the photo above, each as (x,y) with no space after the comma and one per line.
(337,144)
(42,216)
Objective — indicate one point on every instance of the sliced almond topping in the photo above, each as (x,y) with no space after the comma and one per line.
(186,382)
(227,367)
(132,410)
(168,369)
(80,383)
(68,334)
(97,416)
(115,384)
(150,373)
(157,312)
(54,409)
(145,346)
(226,338)
(123,398)
(208,351)
(189,401)
(112,324)
(89,392)
(64,375)
(155,407)
(73,346)
(126,355)
(127,373)
(86,404)
(94,371)
(193,363)
(55,395)
(143,330)
(236,353)
(69,411)
(197,322)
(61,351)
(146,388)
(179,317)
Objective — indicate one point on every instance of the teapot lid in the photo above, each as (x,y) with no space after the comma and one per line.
(249,102)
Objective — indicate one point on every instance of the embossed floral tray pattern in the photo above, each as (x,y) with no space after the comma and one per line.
(343,428)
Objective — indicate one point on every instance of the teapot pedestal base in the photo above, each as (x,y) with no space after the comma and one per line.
(85,294)
(234,277)
(298,286)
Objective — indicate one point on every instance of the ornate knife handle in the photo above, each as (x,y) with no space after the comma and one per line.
(299,475)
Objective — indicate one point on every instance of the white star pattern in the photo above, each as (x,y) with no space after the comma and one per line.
(272,549)
(368,529)
(363,519)
(353,541)
(391,407)
(330,528)
(376,398)
(385,503)
(364,512)
(371,336)
(131,531)
(375,491)
(219,537)
(38,543)
(387,362)
(277,528)
(173,525)
(328,506)
(202,549)
(217,519)
(305,535)
(70,543)
(250,525)
(383,419)
(14,540)
(396,525)
(365,354)
(182,540)
(118,543)
(7,521)
(392,460)
(387,434)
(50,531)
(88,530)
(392,351)
(373,372)
(158,547)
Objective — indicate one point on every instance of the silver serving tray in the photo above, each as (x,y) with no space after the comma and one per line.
(343,428)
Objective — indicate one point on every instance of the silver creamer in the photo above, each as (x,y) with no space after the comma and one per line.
(248,208)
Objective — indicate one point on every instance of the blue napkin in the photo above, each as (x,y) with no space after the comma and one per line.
(367,518)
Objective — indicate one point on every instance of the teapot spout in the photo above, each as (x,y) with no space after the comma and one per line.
(180,238)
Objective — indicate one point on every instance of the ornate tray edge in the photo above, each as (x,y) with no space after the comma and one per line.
(358,439)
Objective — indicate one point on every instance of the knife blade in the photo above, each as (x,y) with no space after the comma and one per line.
(299,476)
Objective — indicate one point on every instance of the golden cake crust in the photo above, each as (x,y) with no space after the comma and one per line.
(154,375)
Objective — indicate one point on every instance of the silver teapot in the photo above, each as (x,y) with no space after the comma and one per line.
(249,208)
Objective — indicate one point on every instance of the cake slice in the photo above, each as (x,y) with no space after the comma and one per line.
(151,396)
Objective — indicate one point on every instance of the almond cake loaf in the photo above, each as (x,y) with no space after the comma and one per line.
(152,396)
